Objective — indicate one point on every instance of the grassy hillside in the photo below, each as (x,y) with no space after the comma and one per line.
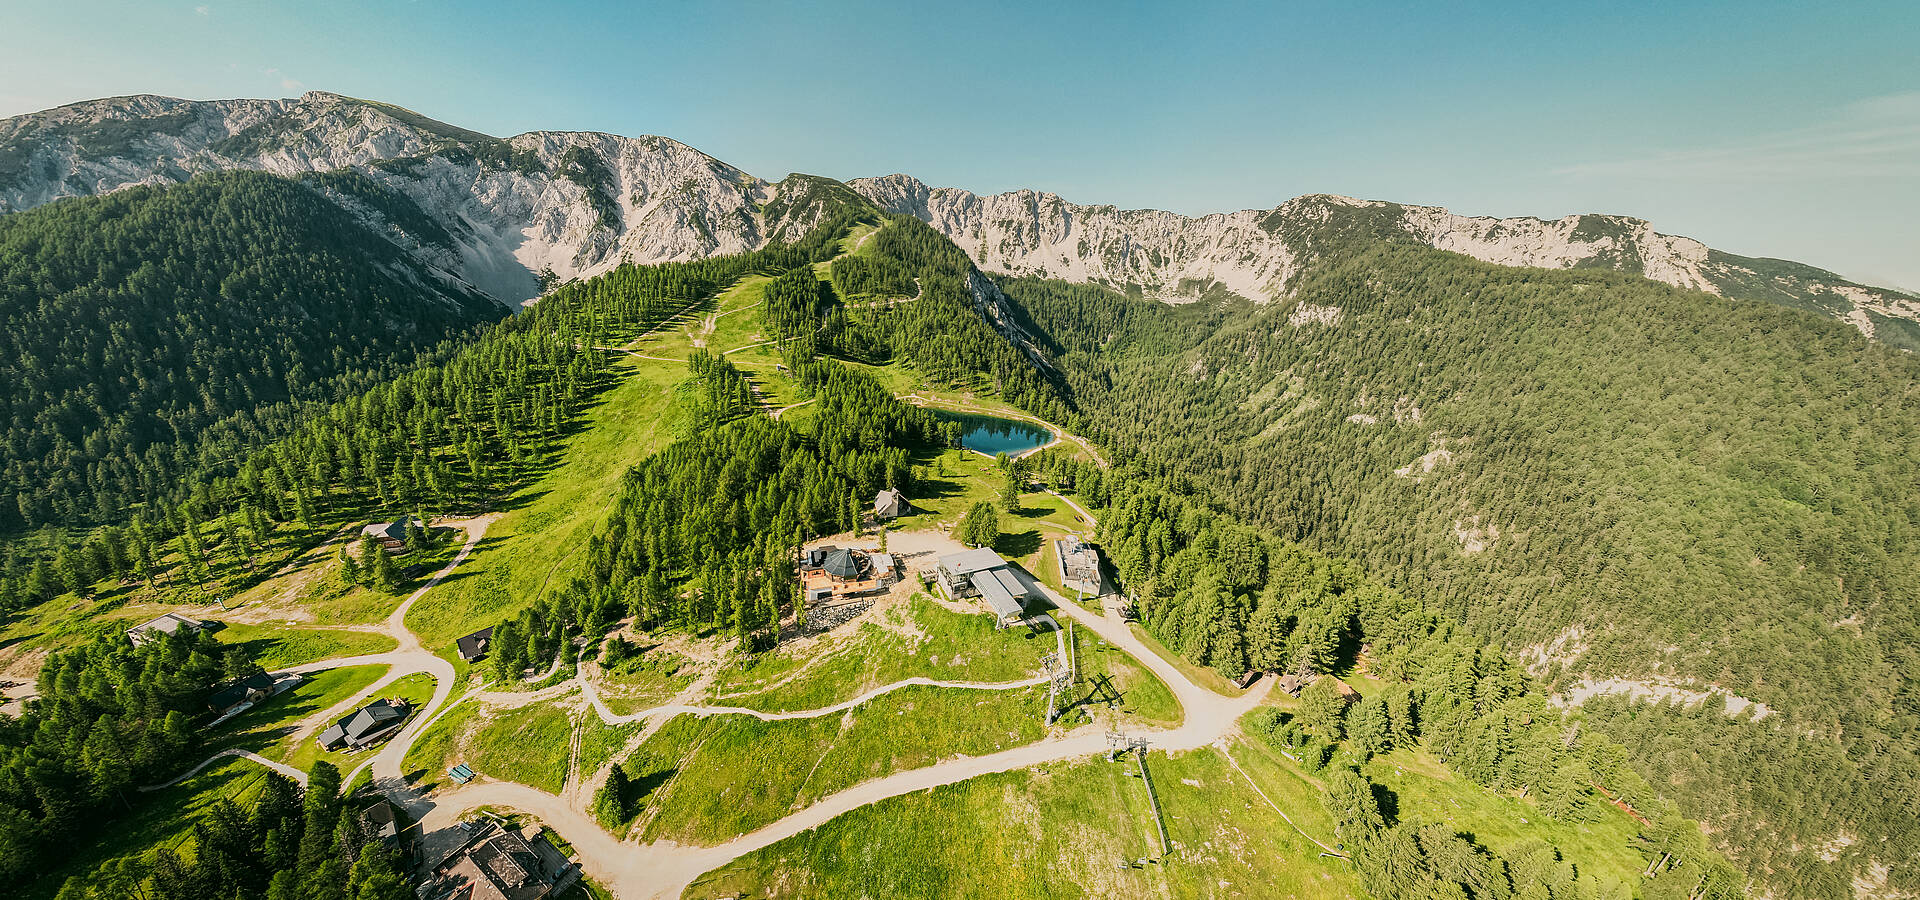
(1612,477)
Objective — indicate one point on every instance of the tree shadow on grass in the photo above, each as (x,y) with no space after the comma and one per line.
(640,789)
(1018,544)
(518,500)
(938,488)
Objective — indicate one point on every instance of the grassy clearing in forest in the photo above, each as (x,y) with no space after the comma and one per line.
(544,532)
(1052,831)
(918,638)
(646,680)
(276,647)
(1425,790)
(530,745)
(952,481)
(536,546)
(160,820)
(696,789)
(260,728)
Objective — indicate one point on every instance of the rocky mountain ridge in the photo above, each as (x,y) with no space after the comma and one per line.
(1257,253)
(570,204)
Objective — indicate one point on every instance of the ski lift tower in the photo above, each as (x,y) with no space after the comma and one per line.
(1059,674)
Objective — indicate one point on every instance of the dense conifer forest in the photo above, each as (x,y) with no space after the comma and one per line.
(705,533)
(111,717)
(453,431)
(1597,472)
(133,325)
(286,843)
(1230,596)
(1529,471)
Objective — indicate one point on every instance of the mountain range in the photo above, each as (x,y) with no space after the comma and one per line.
(1675,482)
(573,204)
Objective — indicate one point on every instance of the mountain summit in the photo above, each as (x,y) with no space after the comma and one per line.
(572,204)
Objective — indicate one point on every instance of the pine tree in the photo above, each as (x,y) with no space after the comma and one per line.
(610,804)
(1323,708)
(1368,727)
(385,574)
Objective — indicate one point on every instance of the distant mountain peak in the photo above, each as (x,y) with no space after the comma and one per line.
(1258,254)
(572,203)
(576,203)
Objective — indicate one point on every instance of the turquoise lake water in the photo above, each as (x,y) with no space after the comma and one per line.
(993,436)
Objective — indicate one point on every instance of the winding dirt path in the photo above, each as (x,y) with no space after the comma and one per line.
(664,869)
(410,658)
(782,410)
(669,710)
(280,767)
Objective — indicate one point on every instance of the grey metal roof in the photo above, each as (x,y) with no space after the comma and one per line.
(841,564)
(993,589)
(165,623)
(395,530)
(968,562)
(372,719)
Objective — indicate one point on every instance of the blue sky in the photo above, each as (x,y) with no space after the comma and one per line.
(1769,129)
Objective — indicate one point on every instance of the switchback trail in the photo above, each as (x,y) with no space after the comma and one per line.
(665,869)
(409,659)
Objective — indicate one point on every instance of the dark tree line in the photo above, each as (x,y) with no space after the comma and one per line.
(704,533)
(953,331)
(718,392)
(455,431)
(449,433)
(292,843)
(872,277)
(1226,595)
(109,717)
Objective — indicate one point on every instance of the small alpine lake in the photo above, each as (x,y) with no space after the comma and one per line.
(993,435)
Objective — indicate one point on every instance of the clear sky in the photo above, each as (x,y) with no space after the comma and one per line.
(1762,128)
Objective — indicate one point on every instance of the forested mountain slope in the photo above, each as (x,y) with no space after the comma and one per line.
(1260,253)
(1639,489)
(517,211)
(132,324)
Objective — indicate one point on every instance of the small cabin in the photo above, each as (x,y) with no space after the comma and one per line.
(391,535)
(377,720)
(242,692)
(474,646)
(161,626)
(891,504)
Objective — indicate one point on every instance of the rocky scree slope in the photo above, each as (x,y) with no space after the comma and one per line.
(569,203)
(1258,254)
